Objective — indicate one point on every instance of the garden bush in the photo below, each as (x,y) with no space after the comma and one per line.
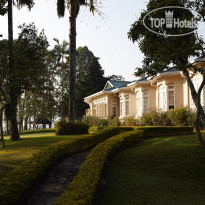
(91,121)
(37,131)
(154,131)
(114,121)
(130,121)
(103,123)
(146,119)
(64,127)
(179,117)
(18,181)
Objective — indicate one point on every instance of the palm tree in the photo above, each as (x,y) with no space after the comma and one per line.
(13,94)
(74,7)
(61,53)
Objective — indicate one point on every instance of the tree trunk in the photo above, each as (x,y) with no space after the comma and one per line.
(7,119)
(13,104)
(14,125)
(198,114)
(1,127)
(26,123)
(72,57)
(194,96)
(20,124)
(197,101)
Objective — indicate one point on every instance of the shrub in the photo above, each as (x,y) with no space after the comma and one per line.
(63,127)
(164,119)
(178,117)
(103,123)
(130,121)
(114,121)
(13,186)
(83,188)
(165,131)
(191,118)
(146,119)
(37,131)
(92,121)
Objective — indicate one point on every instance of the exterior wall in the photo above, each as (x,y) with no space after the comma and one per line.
(139,90)
(132,103)
(178,83)
(99,106)
(110,104)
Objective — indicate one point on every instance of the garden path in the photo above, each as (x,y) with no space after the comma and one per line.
(58,180)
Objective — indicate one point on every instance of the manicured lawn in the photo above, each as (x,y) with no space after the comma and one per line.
(16,152)
(158,171)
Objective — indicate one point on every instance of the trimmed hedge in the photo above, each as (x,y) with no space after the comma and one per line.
(37,131)
(150,131)
(34,131)
(15,184)
(64,127)
(83,188)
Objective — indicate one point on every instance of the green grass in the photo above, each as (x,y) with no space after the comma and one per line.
(158,171)
(18,151)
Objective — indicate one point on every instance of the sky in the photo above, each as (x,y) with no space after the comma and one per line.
(105,36)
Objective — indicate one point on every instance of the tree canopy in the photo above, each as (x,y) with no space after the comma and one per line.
(163,51)
(90,78)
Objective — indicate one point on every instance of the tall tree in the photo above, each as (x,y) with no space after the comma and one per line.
(116,77)
(30,51)
(13,104)
(161,51)
(60,52)
(90,78)
(74,7)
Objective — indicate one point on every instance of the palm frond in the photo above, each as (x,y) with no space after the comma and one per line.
(61,8)
(21,3)
(56,40)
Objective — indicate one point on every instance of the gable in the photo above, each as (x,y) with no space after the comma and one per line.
(108,86)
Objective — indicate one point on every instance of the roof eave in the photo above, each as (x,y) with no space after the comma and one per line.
(95,95)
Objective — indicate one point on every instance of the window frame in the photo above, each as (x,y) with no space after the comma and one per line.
(169,107)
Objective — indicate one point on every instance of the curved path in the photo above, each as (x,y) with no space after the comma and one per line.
(58,180)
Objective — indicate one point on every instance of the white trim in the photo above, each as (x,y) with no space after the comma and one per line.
(95,95)
(108,82)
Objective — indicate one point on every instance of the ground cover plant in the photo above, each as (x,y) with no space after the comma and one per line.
(162,170)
